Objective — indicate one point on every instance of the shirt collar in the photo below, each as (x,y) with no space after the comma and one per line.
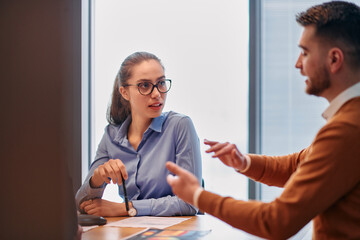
(339,100)
(155,125)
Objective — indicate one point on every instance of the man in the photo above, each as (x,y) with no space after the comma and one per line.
(321,182)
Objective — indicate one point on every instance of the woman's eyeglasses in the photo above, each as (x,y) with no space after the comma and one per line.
(146,88)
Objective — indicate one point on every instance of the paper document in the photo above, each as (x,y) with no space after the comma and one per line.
(147,222)
(87,228)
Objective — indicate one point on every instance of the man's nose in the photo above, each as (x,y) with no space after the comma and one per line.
(298,63)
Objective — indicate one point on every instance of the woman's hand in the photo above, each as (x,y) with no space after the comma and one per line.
(103,208)
(112,169)
(228,154)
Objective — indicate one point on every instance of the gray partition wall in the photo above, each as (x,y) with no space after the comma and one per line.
(40,126)
(254,89)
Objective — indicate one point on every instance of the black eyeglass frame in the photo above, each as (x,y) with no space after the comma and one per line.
(153,86)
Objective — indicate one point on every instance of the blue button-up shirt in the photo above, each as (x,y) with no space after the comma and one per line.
(170,137)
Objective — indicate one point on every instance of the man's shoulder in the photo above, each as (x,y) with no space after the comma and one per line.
(345,124)
(349,113)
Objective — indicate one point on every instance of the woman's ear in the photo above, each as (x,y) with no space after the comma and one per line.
(124,93)
(336,59)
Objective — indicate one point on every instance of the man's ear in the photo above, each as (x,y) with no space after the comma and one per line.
(124,93)
(336,59)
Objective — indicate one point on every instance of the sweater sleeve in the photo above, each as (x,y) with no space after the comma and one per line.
(274,171)
(321,182)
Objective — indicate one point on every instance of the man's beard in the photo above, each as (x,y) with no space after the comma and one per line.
(319,83)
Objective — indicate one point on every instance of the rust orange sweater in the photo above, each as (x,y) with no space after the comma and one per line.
(322,182)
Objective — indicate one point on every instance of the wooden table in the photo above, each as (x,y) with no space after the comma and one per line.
(219,229)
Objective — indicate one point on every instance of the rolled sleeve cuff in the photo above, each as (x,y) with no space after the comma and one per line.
(142,207)
(92,192)
(196,196)
(248,164)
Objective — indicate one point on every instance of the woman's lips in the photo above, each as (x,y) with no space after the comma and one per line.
(156,105)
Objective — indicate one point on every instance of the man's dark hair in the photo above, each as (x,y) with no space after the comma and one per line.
(338,24)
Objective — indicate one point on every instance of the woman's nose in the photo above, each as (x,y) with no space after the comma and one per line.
(155,93)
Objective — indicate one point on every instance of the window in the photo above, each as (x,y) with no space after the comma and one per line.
(290,117)
(204,48)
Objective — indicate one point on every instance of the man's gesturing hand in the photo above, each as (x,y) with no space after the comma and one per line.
(228,154)
(183,184)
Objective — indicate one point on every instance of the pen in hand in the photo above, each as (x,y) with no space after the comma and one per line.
(125,194)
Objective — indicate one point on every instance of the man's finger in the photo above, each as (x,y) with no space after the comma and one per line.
(208,142)
(217,147)
(226,149)
(172,167)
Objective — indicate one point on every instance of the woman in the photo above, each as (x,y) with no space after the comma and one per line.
(137,143)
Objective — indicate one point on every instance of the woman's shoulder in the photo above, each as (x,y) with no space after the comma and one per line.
(112,131)
(112,128)
(175,118)
(179,124)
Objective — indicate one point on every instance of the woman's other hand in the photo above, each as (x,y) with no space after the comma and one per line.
(103,208)
(112,169)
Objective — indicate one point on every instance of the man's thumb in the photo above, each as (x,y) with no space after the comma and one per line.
(170,179)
